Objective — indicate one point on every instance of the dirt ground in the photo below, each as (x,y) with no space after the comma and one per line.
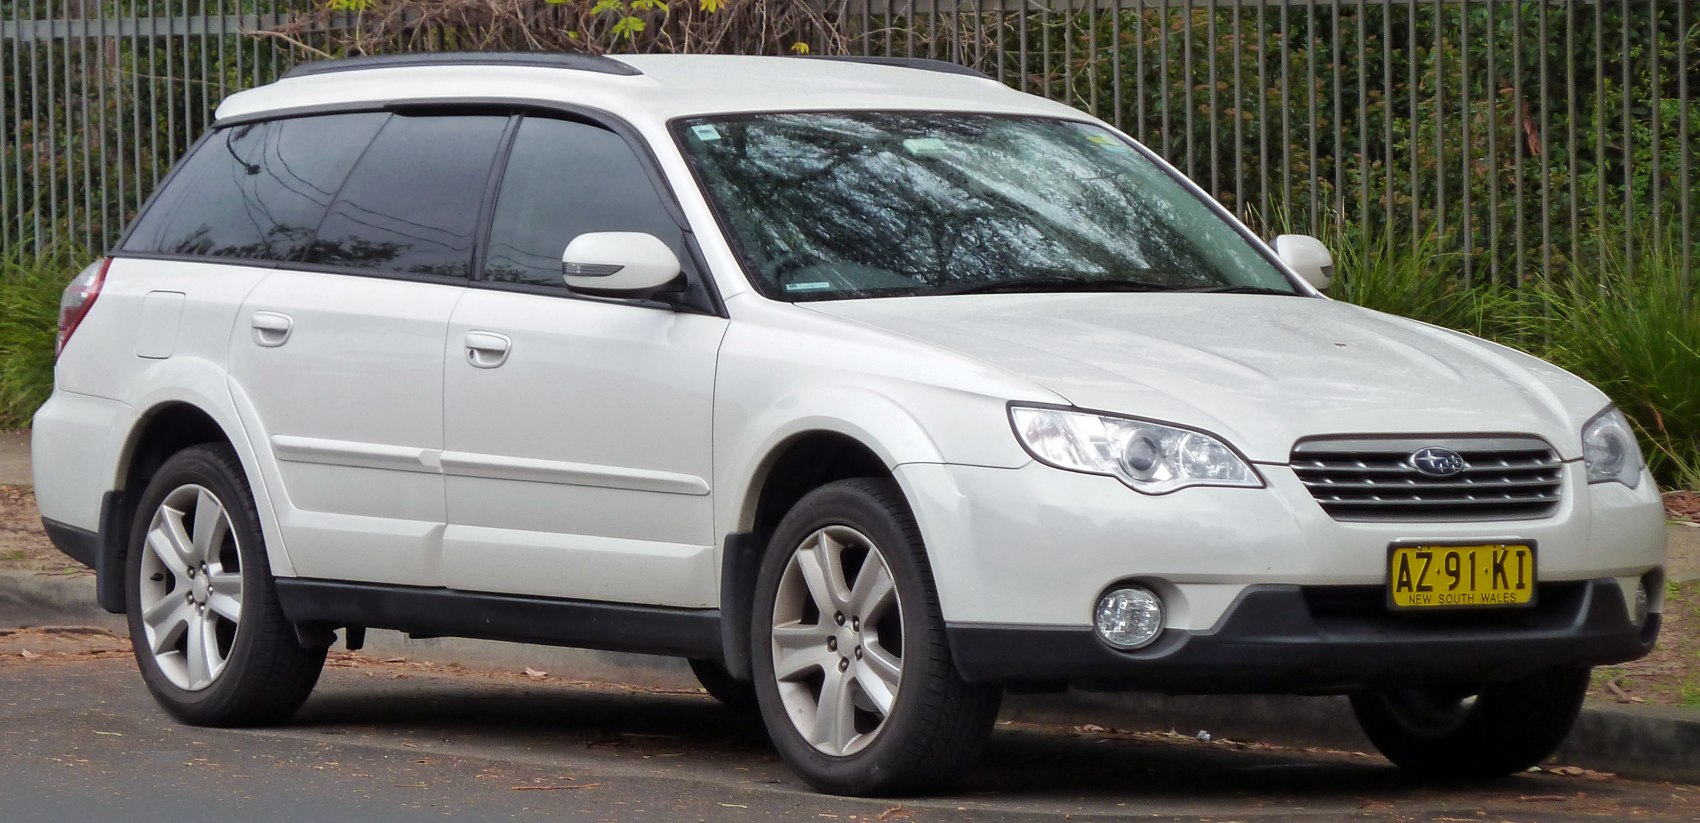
(23,545)
(1669,676)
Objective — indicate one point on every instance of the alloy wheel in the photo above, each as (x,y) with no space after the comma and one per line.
(837,640)
(191,587)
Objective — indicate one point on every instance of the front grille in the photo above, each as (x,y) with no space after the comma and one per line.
(1504,478)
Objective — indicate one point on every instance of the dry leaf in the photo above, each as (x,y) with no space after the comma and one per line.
(29,655)
(533,673)
(895,813)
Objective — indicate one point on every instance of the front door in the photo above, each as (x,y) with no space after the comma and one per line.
(577,431)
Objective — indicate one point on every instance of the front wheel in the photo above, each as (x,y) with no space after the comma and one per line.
(853,673)
(1496,729)
(211,641)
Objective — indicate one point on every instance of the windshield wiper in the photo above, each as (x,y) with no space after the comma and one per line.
(1239,290)
(1042,284)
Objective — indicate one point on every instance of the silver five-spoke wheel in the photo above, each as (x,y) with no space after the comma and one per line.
(851,664)
(210,636)
(838,640)
(191,587)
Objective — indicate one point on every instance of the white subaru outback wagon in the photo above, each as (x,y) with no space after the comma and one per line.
(873,388)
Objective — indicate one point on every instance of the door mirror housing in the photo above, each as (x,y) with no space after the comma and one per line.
(1308,257)
(620,264)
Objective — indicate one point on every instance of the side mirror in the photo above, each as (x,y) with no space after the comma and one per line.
(619,264)
(1307,256)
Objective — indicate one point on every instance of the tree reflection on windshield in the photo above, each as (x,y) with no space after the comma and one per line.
(835,205)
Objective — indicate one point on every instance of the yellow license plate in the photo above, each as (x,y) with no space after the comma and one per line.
(1460,577)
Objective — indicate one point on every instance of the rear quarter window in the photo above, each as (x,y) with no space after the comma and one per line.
(256,191)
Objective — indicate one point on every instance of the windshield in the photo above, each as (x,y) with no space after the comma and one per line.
(825,206)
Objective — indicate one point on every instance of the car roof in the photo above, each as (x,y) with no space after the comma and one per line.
(642,87)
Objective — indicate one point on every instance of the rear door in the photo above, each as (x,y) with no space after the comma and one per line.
(337,356)
(577,447)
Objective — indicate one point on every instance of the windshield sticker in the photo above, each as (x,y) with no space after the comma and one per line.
(1108,143)
(926,147)
(706,134)
(818,285)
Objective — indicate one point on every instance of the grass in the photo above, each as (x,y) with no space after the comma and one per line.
(1635,332)
(30,288)
(1420,279)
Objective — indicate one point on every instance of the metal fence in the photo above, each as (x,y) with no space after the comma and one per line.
(1533,138)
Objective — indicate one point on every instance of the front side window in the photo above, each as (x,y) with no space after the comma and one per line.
(255,191)
(835,205)
(412,203)
(564,179)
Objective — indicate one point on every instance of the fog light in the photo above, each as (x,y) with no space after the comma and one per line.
(1642,603)
(1130,617)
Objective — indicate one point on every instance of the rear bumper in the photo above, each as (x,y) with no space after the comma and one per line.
(1304,640)
(80,545)
(101,550)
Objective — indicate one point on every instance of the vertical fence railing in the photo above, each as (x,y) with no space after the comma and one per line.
(1533,137)
(100,96)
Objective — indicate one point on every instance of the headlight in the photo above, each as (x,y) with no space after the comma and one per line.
(1609,450)
(1150,457)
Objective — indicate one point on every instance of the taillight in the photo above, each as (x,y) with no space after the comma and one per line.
(79,297)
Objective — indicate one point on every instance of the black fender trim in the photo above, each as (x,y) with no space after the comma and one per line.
(738,566)
(114,545)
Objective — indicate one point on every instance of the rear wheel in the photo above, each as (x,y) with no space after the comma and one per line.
(853,673)
(211,641)
(1496,729)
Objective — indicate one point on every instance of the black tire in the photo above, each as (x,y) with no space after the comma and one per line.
(265,673)
(722,686)
(936,725)
(1508,727)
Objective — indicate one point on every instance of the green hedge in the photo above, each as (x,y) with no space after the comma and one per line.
(30,288)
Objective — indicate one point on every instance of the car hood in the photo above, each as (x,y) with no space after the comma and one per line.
(1262,371)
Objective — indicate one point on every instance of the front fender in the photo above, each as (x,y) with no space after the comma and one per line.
(872,419)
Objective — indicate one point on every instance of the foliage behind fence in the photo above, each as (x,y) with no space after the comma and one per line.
(1519,129)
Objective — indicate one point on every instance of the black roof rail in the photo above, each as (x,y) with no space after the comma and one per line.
(549,60)
(917,63)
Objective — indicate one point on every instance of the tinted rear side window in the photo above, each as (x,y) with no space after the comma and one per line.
(565,179)
(412,203)
(257,191)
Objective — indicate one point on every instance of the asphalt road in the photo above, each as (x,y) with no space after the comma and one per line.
(80,740)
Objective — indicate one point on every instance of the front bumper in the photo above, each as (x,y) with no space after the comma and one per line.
(1037,546)
(1318,640)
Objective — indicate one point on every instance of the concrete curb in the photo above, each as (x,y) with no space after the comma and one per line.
(35,599)
(1647,742)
